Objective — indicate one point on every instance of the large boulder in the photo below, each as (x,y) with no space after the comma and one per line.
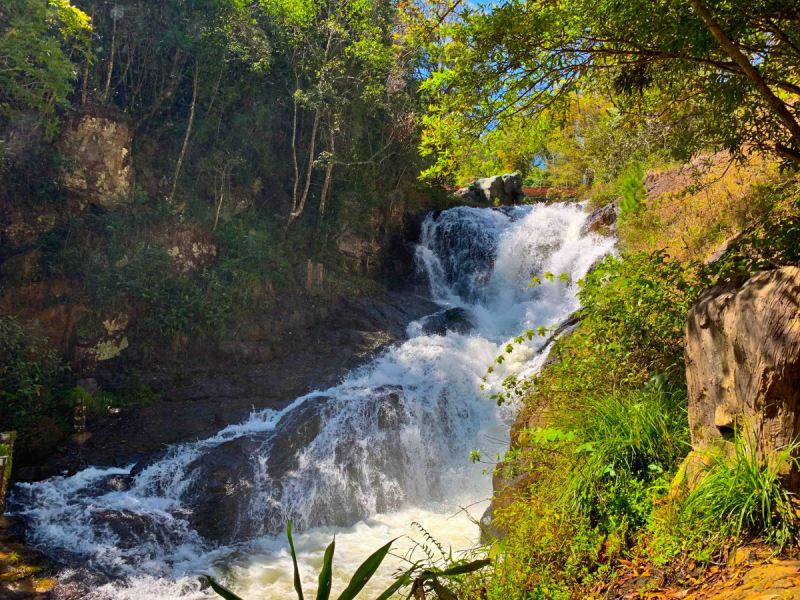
(492,188)
(458,319)
(602,220)
(101,150)
(743,366)
(500,189)
(250,485)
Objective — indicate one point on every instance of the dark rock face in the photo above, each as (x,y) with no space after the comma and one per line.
(222,485)
(743,365)
(276,358)
(459,320)
(603,220)
(243,488)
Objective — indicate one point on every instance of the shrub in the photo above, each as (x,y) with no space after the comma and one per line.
(29,368)
(632,192)
(425,581)
(624,443)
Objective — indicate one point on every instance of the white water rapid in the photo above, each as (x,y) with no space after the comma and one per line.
(388,446)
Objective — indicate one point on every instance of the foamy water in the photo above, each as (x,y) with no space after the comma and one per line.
(391,444)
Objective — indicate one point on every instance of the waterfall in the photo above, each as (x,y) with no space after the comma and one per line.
(389,445)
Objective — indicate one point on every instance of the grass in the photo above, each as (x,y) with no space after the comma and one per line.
(697,207)
(743,493)
(625,442)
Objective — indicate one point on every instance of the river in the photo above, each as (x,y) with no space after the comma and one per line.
(387,447)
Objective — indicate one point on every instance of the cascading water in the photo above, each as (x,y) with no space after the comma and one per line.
(388,446)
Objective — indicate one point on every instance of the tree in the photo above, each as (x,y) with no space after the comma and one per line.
(38,43)
(732,66)
(340,53)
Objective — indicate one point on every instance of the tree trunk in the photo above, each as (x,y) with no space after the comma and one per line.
(186,137)
(294,150)
(752,73)
(85,86)
(301,206)
(297,210)
(326,185)
(167,93)
(111,56)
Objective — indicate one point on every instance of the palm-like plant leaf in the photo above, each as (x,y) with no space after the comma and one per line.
(220,590)
(297,586)
(401,582)
(365,572)
(326,575)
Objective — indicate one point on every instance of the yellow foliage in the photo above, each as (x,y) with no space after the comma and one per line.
(694,209)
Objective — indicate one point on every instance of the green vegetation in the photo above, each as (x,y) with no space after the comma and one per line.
(6,450)
(38,43)
(422,579)
(722,72)
(265,132)
(30,371)
(611,431)
(741,495)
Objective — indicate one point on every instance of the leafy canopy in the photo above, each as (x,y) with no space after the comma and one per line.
(731,65)
(38,43)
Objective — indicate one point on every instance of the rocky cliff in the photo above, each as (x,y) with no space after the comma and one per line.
(743,366)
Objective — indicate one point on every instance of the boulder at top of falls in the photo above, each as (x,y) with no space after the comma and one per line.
(601,220)
(501,189)
(459,320)
(743,367)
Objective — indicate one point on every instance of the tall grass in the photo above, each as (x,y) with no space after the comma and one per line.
(625,441)
(742,494)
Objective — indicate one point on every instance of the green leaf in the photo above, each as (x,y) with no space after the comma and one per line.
(365,572)
(442,592)
(475,565)
(221,591)
(326,575)
(297,586)
(495,550)
(401,581)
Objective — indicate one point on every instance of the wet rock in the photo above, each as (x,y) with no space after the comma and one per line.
(221,488)
(295,431)
(133,530)
(602,220)
(391,413)
(224,479)
(24,572)
(118,483)
(743,365)
(41,442)
(458,320)
(143,464)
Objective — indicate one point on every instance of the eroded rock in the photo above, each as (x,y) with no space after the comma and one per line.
(743,365)
(191,249)
(103,174)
